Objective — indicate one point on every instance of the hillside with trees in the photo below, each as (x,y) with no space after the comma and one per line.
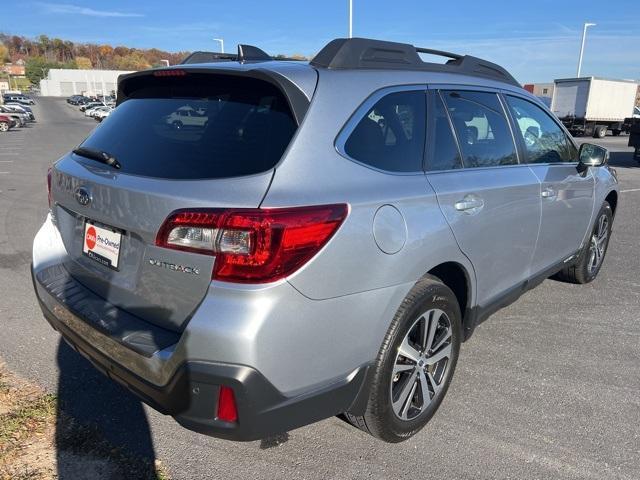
(42,53)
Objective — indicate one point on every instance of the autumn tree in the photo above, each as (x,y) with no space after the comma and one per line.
(43,52)
(83,63)
(4,53)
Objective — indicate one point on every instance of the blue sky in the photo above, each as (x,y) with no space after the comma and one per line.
(536,40)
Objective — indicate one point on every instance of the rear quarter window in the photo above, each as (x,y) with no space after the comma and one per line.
(200,126)
(391,135)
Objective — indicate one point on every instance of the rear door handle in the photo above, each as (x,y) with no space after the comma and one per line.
(469,204)
(548,193)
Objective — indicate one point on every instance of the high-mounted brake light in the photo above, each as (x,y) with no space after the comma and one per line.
(253,245)
(169,73)
(49,186)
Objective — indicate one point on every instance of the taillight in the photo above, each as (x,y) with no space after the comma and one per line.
(49,186)
(253,245)
(227,410)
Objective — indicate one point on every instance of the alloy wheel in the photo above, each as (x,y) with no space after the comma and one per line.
(421,364)
(598,244)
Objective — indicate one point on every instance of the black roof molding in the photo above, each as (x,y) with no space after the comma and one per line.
(209,57)
(365,53)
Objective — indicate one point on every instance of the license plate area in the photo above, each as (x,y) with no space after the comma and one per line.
(102,243)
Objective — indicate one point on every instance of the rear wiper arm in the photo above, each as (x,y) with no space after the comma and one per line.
(99,156)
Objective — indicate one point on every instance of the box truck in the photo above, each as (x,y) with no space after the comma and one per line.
(592,105)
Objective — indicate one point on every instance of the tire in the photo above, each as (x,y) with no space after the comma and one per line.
(600,131)
(430,302)
(586,267)
(4,127)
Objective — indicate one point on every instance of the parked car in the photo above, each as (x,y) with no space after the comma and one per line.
(22,109)
(6,123)
(187,116)
(20,118)
(102,114)
(21,99)
(76,99)
(89,112)
(323,244)
(85,106)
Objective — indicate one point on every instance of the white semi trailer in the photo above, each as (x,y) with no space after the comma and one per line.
(592,105)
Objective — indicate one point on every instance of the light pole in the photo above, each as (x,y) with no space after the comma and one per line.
(221,44)
(584,36)
(350,18)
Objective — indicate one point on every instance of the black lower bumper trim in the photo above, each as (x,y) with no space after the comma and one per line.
(192,393)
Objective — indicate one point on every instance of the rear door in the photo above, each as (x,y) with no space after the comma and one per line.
(567,196)
(491,202)
(109,217)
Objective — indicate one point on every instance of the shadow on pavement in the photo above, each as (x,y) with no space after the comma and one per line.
(93,400)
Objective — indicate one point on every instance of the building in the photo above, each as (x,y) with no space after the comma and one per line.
(66,82)
(16,69)
(544,91)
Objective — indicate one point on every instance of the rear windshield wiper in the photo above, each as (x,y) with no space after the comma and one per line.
(98,155)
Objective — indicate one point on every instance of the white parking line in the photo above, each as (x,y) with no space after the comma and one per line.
(630,190)
(4,173)
(6,161)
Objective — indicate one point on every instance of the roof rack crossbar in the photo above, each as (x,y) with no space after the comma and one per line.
(440,53)
(364,53)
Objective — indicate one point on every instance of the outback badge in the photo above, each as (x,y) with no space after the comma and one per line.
(175,267)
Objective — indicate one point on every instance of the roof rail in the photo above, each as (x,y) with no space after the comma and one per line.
(365,53)
(246,53)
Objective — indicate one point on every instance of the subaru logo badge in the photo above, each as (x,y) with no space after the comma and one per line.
(82,195)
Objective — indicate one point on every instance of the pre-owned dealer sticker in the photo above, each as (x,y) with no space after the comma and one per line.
(102,245)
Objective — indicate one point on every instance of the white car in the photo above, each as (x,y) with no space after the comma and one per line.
(89,112)
(102,114)
(187,116)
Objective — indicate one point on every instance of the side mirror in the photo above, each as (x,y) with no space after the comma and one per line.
(591,155)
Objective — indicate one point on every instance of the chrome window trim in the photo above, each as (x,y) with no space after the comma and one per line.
(361,111)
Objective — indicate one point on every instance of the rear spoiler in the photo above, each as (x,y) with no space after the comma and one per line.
(298,101)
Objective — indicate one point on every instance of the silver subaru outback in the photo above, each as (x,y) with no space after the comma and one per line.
(252,245)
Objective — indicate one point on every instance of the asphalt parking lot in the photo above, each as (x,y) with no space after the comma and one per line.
(546,388)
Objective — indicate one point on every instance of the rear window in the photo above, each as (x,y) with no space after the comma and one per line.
(197,127)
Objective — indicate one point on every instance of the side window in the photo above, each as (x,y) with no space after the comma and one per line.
(544,140)
(391,135)
(482,129)
(444,153)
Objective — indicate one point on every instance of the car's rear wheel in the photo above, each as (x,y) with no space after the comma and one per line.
(4,127)
(415,363)
(586,267)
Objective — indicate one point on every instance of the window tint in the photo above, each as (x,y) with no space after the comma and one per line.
(483,131)
(197,127)
(391,135)
(444,151)
(544,140)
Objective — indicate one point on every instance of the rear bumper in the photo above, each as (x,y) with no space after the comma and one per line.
(191,392)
